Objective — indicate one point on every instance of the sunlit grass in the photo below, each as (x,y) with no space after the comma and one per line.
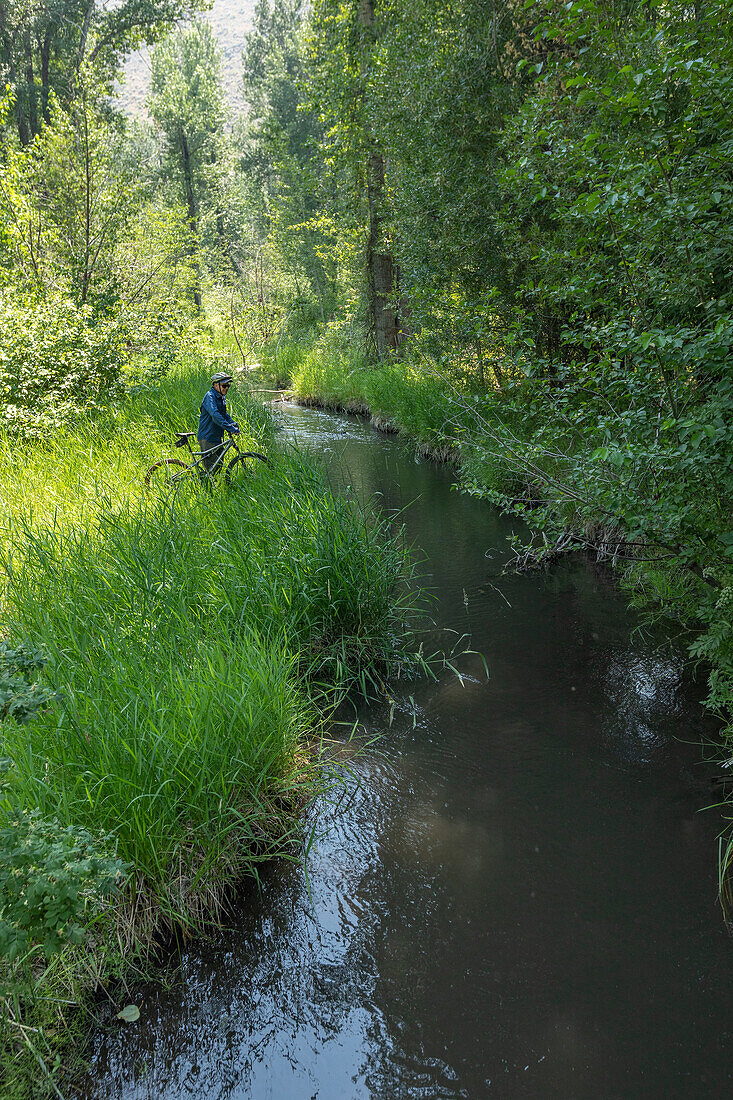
(412,397)
(101,461)
(196,639)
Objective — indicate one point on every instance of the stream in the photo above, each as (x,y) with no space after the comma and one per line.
(518,895)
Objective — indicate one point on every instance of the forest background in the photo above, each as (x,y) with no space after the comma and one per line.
(504,228)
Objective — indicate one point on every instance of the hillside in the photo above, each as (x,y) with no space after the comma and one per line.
(231,20)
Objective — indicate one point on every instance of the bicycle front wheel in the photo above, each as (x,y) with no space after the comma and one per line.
(243,467)
(166,474)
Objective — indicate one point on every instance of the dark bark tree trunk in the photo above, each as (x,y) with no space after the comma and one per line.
(24,130)
(21,119)
(192,217)
(380,265)
(381,269)
(549,342)
(45,72)
(30,77)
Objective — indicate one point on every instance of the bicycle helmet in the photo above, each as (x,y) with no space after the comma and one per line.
(221,378)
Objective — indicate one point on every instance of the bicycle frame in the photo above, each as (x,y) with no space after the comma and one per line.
(223,448)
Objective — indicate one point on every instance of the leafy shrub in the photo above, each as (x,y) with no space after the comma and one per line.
(49,878)
(21,696)
(715,645)
(56,363)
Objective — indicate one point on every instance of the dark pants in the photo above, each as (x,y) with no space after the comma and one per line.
(214,450)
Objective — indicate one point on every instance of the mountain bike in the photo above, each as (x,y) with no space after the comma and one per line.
(169,473)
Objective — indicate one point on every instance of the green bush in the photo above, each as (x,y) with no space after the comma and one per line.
(57,362)
(21,693)
(51,876)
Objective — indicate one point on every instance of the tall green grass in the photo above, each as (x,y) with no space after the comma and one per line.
(194,640)
(408,394)
(188,760)
(100,461)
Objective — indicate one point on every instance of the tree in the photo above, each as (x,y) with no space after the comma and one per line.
(282,163)
(65,203)
(345,51)
(444,81)
(382,271)
(187,103)
(44,44)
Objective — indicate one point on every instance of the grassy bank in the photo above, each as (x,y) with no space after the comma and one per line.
(397,395)
(173,658)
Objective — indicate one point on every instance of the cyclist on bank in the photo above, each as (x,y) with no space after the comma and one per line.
(215,420)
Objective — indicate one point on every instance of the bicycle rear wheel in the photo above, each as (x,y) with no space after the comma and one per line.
(166,474)
(243,467)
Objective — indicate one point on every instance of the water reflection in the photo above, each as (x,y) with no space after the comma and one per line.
(640,691)
(518,898)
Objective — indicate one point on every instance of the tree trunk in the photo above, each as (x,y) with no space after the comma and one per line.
(320,296)
(381,269)
(24,131)
(45,70)
(84,35)
(380,265)
(192,219)
(88,184)
(30,77)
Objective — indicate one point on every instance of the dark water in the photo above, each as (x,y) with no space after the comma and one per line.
(518,897)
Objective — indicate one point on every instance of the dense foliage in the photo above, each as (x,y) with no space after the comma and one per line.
(21,692)
(504,227)
(558,196)
(46,44)
(49,877)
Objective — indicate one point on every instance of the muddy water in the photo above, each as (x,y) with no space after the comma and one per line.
(518,896)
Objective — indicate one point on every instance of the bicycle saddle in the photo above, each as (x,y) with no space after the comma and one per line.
(181,438)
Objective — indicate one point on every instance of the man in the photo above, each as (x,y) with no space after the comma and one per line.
(215,420)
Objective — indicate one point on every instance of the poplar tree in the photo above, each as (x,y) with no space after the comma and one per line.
(187,104)
(345,55)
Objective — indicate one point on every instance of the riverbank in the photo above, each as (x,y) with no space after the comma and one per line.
(580,477)
(438,452)
(170,661)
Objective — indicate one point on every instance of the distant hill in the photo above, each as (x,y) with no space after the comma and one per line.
(231,20)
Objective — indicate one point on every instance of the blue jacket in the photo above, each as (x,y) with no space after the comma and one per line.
(214,418)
